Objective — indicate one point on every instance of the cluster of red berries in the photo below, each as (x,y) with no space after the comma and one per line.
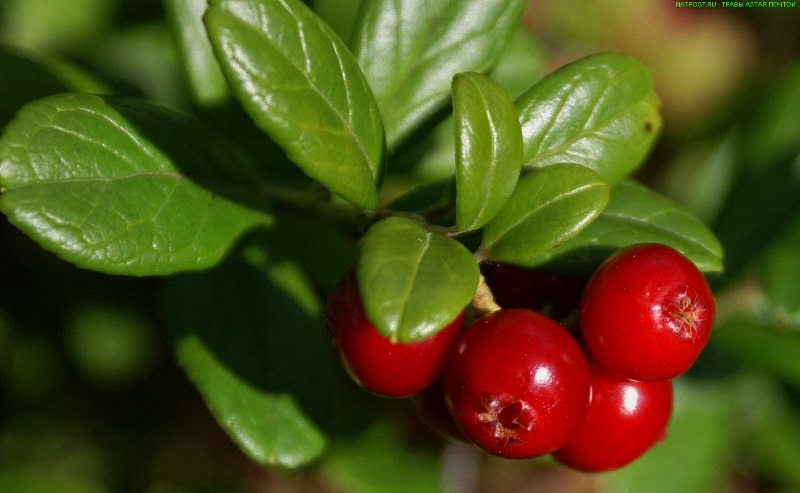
(519,384)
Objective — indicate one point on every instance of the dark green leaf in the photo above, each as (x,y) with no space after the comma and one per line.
(488,149)
(114,185)
(250,337)
(600,111)
(202,69)
(411,50)
(301,85)
(636,214)
(413,282)
(548,206)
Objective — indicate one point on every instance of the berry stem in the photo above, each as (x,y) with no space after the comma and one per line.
(483,301)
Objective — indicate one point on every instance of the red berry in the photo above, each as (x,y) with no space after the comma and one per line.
(518,384)
(551,294)
(624,420)
(647,312)
(387,368)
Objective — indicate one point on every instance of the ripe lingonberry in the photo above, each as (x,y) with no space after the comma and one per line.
(518,384)
(386,368)
(647,312)
(553,295)
(624,420)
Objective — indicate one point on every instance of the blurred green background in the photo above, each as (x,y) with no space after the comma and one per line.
(91,400)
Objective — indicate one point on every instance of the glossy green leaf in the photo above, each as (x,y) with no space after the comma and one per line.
(548,206)
(636,214)
(488,149)
(123,187)
(202,69)
(413,282)
(301,85)
(411,50)
(250,337)
(600,111)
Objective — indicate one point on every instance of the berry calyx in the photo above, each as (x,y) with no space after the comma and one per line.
(647,313)
(624,420)
(517,385)
(390,369)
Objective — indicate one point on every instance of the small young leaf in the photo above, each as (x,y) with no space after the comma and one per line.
(410,51)
(301,85)
(488,149)
(114,185)
(636,214)
(600,111)
(548,206)
(249,335)
(413,282)
(202,69)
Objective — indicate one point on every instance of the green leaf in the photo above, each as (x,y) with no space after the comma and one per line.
(301,85)
(250,337)
(411,50)
(548,206)
(600,111)
(115,185)
(636,214)
(488,149)
(413,282)
(202,69)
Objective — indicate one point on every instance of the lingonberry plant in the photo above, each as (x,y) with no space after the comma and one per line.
(251,221)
